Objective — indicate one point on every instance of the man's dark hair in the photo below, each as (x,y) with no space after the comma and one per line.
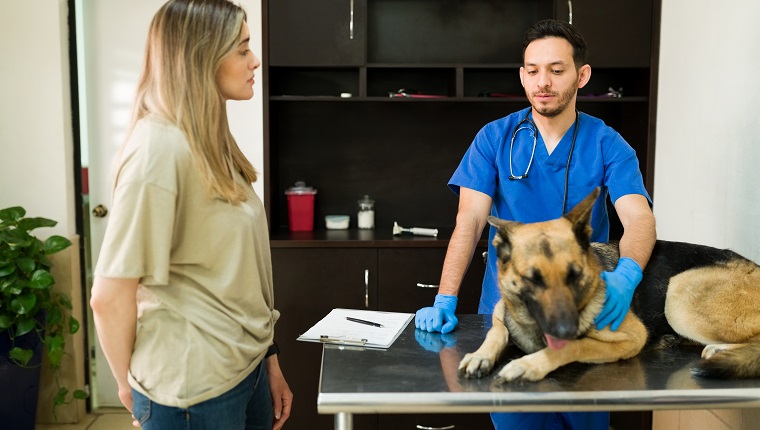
(553,28)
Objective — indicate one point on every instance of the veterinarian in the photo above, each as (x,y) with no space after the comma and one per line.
(183,297)
(535,165)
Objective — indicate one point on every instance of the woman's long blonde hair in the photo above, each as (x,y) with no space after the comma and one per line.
(187,42)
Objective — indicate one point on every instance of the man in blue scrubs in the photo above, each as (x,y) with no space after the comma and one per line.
(535,165)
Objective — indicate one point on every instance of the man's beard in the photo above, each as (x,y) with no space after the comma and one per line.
(562,104)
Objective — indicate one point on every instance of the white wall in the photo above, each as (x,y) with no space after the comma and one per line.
(36,149)
(708,147)
(707,162)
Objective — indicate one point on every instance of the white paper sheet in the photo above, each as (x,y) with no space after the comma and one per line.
(335,328)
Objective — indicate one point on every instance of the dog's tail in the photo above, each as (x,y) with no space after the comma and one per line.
(742,362)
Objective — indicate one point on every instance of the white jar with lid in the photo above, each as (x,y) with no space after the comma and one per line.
(366,214)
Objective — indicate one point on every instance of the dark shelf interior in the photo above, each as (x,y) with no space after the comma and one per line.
(333,124)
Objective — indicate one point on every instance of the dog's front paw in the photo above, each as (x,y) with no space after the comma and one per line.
(475,366)
(522,369)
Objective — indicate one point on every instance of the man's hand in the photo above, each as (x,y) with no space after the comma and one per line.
(440,317)
(621,283)
(435,342)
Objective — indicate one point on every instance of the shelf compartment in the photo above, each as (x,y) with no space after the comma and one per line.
(428,81)
(313,81)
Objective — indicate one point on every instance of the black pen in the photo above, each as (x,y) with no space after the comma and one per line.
(357,320)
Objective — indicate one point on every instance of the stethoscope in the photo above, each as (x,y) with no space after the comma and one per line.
(528,124)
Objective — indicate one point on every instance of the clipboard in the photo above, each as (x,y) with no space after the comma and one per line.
(377,329)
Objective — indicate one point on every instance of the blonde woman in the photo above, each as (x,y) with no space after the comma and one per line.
(182,297)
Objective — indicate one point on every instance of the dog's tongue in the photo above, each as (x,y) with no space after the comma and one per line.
(554,343)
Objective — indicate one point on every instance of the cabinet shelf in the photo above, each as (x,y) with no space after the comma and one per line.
(522,100)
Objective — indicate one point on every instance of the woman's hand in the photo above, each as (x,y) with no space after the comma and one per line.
(282,397)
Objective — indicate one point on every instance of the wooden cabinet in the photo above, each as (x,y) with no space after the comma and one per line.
(309,282)
(402,151)
(316,32)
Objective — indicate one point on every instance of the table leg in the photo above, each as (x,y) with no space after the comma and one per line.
(344,421)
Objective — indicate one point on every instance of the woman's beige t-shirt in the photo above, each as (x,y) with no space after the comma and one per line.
(205,303)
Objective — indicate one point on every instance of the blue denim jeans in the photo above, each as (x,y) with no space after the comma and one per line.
(248,406)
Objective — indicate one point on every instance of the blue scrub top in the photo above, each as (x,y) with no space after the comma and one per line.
(601,158)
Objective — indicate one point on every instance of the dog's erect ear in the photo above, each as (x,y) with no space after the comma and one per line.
(580,217)
(501,241)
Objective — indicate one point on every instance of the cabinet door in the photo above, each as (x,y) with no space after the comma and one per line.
(409,279)
(316,32)
(436,421)
(618,33)
(308,283)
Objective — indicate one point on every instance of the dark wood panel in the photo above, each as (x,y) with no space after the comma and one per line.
(441,31)
(316,33)
(618,33)
(308,284)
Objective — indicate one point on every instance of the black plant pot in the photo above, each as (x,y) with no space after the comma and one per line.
(19,385)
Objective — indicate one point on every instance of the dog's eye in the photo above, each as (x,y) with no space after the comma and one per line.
(534,277)
(573,274)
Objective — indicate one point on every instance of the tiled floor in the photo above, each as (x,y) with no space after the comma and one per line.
(103,419)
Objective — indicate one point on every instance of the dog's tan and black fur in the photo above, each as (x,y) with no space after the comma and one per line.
(551,291)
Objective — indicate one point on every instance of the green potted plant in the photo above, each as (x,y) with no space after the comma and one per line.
(32,315)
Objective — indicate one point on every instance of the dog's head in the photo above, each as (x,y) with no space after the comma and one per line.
(550,268)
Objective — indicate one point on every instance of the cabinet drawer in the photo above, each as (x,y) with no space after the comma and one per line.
(437,421)
(409,279)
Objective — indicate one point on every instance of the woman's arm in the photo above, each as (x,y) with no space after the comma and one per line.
(114,308)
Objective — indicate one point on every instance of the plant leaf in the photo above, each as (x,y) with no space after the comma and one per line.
(12,214)
(54,316)
(80,394)
(54,244)
(5,321)
(54,346)
(26,264)
(7,270)
(73,325)
(60,396)
(41,279)
(29,224)
(24,303)
(25,325)
(65,301)
(20,355)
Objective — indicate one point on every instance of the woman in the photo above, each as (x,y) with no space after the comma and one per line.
(183,297)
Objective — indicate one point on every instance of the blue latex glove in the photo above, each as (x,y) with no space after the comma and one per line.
(435,342)
(440,317)
(621,283)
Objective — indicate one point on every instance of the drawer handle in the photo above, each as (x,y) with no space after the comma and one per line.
(421,427)
(421,285)
(366,288)
(351,21)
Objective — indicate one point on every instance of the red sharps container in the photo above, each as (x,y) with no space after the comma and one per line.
(301,207)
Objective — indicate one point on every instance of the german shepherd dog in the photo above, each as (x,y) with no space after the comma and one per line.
(551,291)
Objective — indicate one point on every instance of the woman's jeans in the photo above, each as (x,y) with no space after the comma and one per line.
(248,406)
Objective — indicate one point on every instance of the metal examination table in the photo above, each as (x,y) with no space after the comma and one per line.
(417,374)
